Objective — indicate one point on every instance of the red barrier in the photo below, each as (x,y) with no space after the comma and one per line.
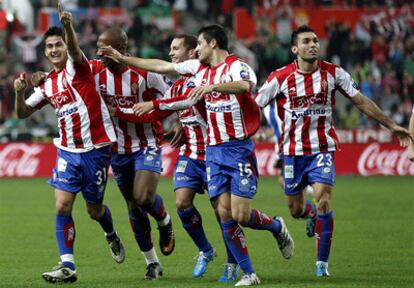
(38,160)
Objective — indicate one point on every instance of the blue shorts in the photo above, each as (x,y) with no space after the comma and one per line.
(232,167)
(299,171)
(86,172)
(190,173)
(125,165)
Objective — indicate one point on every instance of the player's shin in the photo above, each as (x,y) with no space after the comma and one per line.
(234,237)
(192,223)
(65,236)
(323,231)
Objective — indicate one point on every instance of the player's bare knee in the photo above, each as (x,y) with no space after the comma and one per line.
(63,208)
(95,212)
(295,210)
(323,205)
(241,217)
(183,204)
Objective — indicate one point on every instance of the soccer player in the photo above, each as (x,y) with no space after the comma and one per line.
(225,83)
(190,175)
(136,159)
(304,91)
(84,151)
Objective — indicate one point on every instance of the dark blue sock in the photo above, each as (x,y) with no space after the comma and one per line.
(234,237)
(192,223)
(106,221)
(141,226)
(260,221)
(323,232)
(230,257)
(156,210)
(65,236)
(310,210)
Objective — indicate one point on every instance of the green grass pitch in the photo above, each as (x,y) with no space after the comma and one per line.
(373,242)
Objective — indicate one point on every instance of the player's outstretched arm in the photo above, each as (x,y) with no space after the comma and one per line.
(368,107)
(66,19)
(236,87)
(411,145)
(152,65)
(20,106)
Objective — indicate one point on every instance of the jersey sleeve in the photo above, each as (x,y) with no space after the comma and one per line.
(240,71)
(187,67)
(82,70)
(268,91)
(346,85)
(37,99)
(156,81)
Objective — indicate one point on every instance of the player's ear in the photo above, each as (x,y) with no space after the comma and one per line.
(192,54)
(213,43)
(294,50)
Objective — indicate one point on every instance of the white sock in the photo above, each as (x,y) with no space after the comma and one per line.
(164,221)
(150,256)
(67,258)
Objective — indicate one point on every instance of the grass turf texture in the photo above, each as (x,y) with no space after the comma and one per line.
(373,240)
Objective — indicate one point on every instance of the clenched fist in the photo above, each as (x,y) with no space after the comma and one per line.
(20,84)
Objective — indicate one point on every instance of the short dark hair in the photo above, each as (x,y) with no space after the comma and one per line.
(54,31)
(299,30)
(215,32)
(190,41)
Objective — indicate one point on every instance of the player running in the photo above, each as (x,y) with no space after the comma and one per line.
(225,83)
(190,175)
(85,136)
(304,91)
(136,159)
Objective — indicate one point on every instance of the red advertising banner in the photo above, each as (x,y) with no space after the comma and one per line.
(372,158)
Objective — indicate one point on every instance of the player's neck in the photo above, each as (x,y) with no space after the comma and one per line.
(307,66)
(218,57)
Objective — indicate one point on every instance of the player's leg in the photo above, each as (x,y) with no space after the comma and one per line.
(322,174)
(244,182)
(324,226)
(189,178)
(147,174)
(95,164)
(219,184)
(231,269)
(123,167)
(66,183)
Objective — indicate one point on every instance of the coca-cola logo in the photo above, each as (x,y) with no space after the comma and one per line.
(19,159)
(377,161)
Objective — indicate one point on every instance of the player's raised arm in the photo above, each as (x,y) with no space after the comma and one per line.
(153,65)
(66,19)
(368,107)
(21,108)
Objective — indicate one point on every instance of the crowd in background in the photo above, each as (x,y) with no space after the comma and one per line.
(379,56)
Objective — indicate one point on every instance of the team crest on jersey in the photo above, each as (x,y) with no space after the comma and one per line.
(134,88)
(244,73)
(190,84)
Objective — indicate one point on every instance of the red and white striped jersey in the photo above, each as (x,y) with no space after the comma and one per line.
(305,103)
(123,90)
(194,120)
(229,116)
(83,118)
